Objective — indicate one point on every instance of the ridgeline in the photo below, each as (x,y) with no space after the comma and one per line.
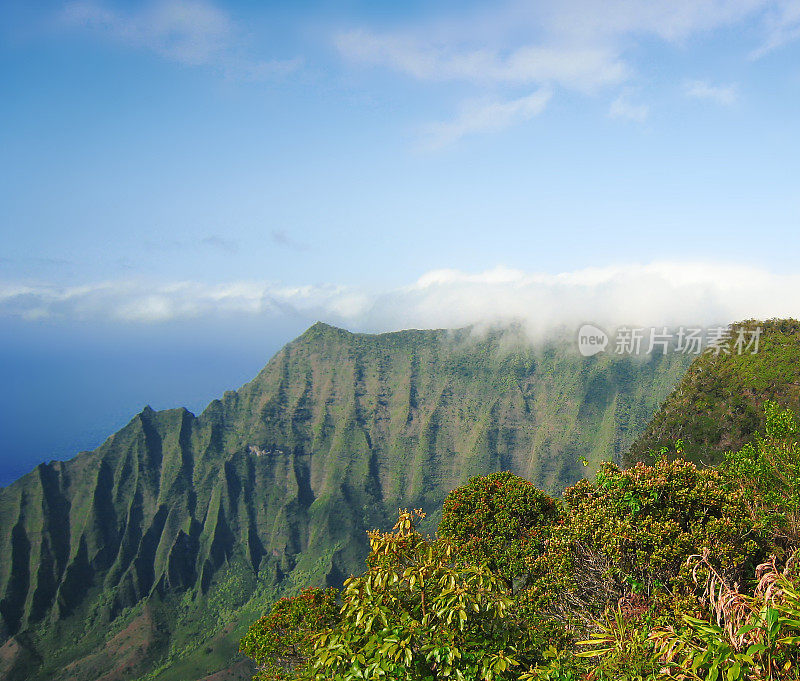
(148,557)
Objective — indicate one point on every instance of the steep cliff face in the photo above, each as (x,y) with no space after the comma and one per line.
(719,404)
(178,530)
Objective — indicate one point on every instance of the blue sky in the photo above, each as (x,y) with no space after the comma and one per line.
(184,179)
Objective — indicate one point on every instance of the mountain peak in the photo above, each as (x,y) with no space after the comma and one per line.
(209,518)
(320,329)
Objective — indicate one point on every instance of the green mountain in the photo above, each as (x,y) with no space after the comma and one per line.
(148,557)
(718,405)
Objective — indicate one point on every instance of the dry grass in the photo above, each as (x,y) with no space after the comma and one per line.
(731,608)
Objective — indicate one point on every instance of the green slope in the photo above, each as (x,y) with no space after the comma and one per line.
(718,405)
(147,557)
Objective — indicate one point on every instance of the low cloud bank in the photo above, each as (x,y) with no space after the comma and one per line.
(661,293)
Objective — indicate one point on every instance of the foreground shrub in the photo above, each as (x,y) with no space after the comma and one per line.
(766,472)
(751,638)
(502,521)
(417,613)
(629,532)
(753,629)
(281,642)
(621,649)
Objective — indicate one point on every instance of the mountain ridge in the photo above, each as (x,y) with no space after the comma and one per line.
(180,527)
(718,405)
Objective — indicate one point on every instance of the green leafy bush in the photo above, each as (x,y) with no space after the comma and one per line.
(630,531)
(417,613)
(767,474)
(281,642)
(502,521)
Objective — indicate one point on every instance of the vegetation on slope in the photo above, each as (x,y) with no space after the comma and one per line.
(667,571)
(718,405)
(180,529)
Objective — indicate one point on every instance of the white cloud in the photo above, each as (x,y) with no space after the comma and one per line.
(582,68)
(191,32)
(483,116)
(188,31)
(139,302)
(282,238)
(661,293)
(574,43)
(673,21)
(580,45)
(623,107)
(721,94)
(782,27)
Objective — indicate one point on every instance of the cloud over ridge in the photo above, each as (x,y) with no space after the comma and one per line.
(659,293)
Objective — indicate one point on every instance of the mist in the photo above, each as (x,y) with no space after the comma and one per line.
(80,362)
